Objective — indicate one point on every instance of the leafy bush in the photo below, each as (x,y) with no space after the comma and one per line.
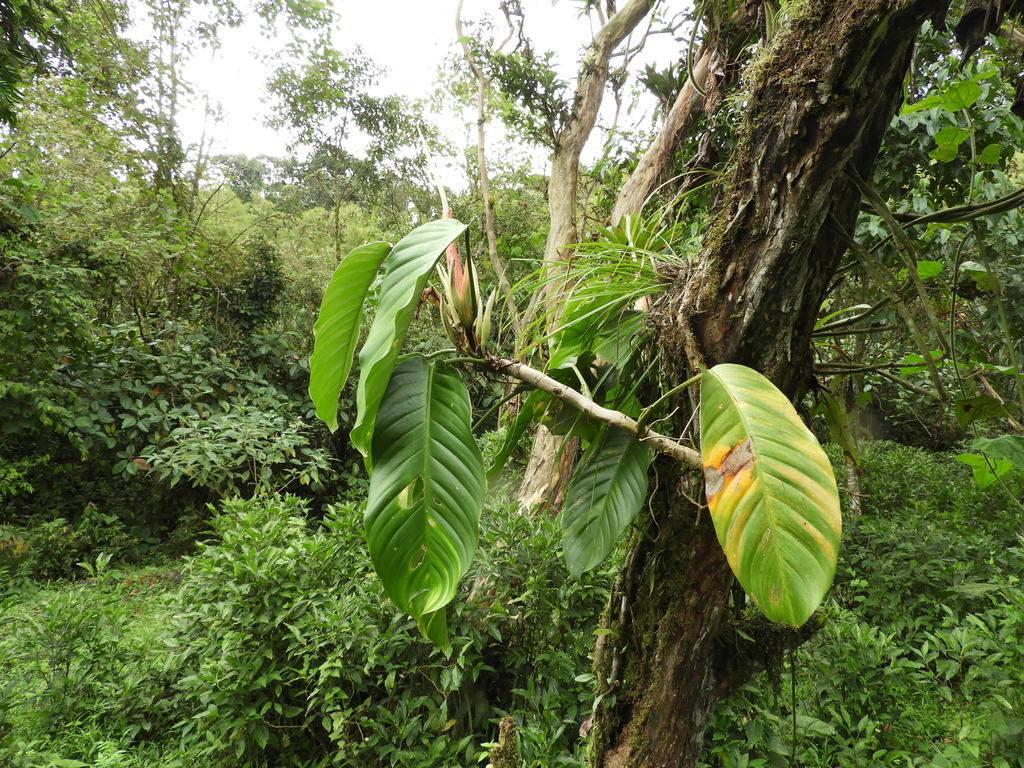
(279,648)
(78,666)
(288,652)
(156,428)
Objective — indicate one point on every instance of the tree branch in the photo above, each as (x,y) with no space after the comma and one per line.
(568,395)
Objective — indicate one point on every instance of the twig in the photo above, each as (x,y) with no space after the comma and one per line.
(879,275)
(842,369)
(853,331)
(905,248)
(916,388)
(585,405)
(853,320)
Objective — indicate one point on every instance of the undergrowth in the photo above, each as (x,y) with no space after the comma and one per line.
(274,646)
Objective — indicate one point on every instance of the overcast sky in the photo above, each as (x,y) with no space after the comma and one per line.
(410,39)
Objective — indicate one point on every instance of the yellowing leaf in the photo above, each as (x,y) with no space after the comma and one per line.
(771,492)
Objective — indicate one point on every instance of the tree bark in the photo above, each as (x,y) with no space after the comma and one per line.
(714,56)
(821,97)
(550,461)
(649,171)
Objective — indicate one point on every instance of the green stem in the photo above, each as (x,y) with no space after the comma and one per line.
(496,406)
(646,412)
(439,352)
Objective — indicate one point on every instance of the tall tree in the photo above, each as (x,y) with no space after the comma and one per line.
(322,95)
(821,97)
(31,38)
(549,464)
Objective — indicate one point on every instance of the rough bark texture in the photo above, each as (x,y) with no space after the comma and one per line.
(821,98)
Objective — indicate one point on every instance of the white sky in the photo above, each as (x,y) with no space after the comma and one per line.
(409,39)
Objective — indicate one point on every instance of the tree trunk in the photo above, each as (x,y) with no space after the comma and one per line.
(649,171)
(490,227)
(549,467)
(821,98)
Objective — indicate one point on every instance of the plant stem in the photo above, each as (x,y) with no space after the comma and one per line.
(646,412)
(568,395)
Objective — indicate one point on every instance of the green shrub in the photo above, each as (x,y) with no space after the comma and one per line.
(288,653)
(78,668)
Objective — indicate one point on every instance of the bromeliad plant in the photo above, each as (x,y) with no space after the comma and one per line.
(770,488)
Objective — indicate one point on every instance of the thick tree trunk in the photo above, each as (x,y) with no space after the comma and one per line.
(821,98)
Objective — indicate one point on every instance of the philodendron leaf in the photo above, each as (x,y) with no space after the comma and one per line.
(337,327)
(405,275)
(434,627)
(426,489)
(771,493)
(605,493)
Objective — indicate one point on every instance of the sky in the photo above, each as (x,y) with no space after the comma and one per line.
(410,39)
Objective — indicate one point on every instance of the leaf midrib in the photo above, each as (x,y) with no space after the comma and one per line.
(425,451)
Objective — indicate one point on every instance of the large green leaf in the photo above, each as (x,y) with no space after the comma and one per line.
(771,492)
(605,493)
(426,488)
(337,328)
(986,469)
(1005,448)
(406,270)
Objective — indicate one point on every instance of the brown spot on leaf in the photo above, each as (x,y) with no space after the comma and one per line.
(739,457)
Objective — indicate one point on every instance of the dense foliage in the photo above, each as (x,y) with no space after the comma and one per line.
(197,566)
(274,630)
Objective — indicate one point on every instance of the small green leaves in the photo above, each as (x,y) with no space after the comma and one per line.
(952,135)
(960,96)
(949,140)
(991,154)
(771,493)
(337,327)
(945,153)
(426,490)
(605,493)
(915,363)
(985,279)
(406,270)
